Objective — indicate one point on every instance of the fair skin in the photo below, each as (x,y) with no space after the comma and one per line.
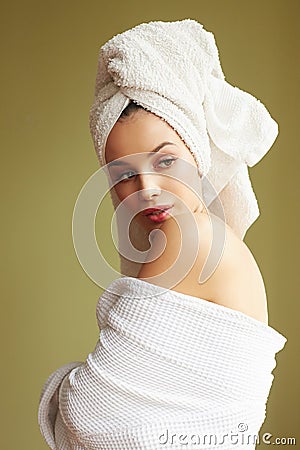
(146,181)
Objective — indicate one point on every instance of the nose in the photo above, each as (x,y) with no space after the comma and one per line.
(148,186)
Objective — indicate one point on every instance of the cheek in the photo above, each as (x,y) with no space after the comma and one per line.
(124,192)
(178,187)
(183,193)
(186,181)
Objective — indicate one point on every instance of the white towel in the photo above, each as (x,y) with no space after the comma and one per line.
(166,364)
(173,70)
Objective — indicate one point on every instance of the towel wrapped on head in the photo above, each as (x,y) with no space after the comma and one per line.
(173,70)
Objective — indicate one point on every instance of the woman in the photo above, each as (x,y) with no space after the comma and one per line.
(237,282)
(185,353)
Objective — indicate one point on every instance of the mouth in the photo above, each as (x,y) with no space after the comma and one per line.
(157,214)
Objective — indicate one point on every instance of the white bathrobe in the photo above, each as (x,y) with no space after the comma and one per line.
(169,371)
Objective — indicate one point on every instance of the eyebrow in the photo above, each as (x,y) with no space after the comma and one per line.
(159,147)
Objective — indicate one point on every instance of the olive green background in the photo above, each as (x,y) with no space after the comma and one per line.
(48,66)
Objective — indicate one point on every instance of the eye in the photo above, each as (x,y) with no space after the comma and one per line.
(125,176)
(166,162)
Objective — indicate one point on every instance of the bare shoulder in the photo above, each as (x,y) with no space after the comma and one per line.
(235,281)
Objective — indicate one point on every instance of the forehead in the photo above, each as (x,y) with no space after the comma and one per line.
(142,132)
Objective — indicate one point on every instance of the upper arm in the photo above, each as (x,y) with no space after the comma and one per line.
(238,283)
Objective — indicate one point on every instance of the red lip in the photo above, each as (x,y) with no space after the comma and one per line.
(147,211)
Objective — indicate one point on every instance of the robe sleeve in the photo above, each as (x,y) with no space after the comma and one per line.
(50,421)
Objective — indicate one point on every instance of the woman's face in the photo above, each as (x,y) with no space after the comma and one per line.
(153,168)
